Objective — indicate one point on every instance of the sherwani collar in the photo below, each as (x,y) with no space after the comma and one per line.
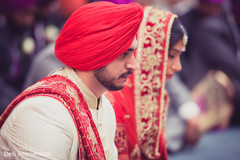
(90,98)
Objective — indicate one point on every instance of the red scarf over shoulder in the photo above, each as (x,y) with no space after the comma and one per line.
(64,90)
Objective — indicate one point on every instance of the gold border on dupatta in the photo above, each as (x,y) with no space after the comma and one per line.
(147,79)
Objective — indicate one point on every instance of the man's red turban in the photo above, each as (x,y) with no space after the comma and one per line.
(97,33)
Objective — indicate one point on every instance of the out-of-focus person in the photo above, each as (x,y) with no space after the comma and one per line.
(45,61)
(18,45)
(212,51)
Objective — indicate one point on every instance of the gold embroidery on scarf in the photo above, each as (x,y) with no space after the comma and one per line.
(90,98)
(33,86)
(90,133)
(73,93)
(136,154)
(82,152)
(150,78)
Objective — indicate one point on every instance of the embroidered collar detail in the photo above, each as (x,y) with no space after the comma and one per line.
(90,98)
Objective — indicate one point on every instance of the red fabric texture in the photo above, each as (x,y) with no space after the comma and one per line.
(124,107)
(64,90)
(126,138)
(141,106)
(97,33)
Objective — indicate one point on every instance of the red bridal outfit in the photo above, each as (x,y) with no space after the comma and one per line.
(141,106)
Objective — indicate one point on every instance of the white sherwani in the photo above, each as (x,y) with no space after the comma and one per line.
(42,128)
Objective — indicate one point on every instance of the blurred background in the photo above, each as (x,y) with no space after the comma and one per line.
(204,113)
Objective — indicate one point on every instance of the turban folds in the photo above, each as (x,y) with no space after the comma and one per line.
(97,33)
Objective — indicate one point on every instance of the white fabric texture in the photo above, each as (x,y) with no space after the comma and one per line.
(42,128)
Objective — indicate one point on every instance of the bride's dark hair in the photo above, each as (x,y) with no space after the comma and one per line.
(177,32)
